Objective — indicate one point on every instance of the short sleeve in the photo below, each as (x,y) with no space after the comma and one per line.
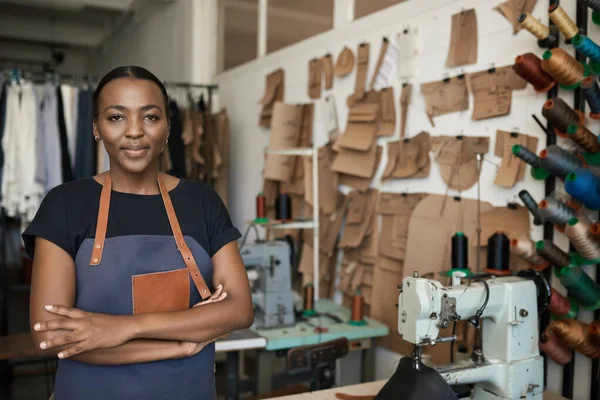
(220,228)
(50,222)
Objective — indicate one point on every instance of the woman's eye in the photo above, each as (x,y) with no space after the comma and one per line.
(115,118)
(152,117)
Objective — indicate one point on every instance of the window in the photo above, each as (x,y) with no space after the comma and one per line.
(366,7)
(290,21)
(238,24)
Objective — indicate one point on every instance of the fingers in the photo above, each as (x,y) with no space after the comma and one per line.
(72,351)
(68,338)
(65,311)
(217,296)
(57,324)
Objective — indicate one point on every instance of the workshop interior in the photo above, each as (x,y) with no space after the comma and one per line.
(407,232)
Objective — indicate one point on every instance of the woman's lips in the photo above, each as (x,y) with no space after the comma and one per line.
(135,151)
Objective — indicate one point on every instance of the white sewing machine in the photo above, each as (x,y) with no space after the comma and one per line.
(509,365)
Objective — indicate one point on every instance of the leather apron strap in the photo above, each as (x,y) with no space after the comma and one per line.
(186,253)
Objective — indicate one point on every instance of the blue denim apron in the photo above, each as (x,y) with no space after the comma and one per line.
(106,269)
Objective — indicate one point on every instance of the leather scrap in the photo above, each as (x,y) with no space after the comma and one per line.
(327,180)
(384,47)
(457,157)
(355,162)
(500,150)
(414,163)
(354,233)
(463,39)
(327,68)
(361,130)
(273,93)
(492,91)
(387,125)
(285,134)
(314,79)
(445,96)
(405,97)
(362,62)
(345,63)
(511,10)
(508,173)
(358,183)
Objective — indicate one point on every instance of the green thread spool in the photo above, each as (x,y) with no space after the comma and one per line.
(581,287)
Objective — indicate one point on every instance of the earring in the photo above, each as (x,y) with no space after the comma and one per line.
(98,138)
(167,140)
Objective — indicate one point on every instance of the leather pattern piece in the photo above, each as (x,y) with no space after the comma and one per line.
(463,39)
(445,96)
(160,292)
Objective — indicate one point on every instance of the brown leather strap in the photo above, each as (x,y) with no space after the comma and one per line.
(102,222)
(186,254)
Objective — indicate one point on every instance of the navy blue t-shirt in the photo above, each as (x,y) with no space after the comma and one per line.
(138,241)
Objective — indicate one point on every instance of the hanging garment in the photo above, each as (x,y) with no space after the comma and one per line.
(49,136)
(2,123)
(137,246)
(65,157)
(69,95)
(176,147)
(86,153)
(21,193)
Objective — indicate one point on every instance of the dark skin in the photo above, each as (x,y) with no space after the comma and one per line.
(132,124)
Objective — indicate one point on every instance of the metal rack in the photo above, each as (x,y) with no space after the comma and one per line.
(311,224)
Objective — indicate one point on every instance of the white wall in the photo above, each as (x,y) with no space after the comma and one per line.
(241,88)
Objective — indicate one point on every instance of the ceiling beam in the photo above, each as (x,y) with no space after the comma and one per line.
(41,29)
(75,5)
(280,12)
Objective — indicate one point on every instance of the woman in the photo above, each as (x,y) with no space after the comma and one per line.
(120,259)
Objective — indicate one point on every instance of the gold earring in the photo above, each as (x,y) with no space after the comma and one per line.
(98,138)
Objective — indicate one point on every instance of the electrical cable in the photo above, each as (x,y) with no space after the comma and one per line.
(245,236)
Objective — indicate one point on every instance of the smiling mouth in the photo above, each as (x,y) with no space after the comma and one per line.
(136,151)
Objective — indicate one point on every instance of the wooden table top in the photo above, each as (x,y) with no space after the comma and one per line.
(17,346)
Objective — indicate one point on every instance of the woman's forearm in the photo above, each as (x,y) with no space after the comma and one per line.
(133,352)
(198,324)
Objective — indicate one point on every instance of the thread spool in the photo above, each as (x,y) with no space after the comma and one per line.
(356,315)
(532,206)
(261,209)
(563,22)
(555,211)
(546,35)
(559,162)
(578,233)
(575,335)
(526,155)
(460,251)
(558,352)
(565,69)
(581,287)
(498,254)
(551,253)
(561,115)
(583,137)
(595,231)
(587,47)
(309,300)
(529,67)
(584,187)
(525,250)
(593,4)
(594,332)
(562,307)
(591,92)
(283,207)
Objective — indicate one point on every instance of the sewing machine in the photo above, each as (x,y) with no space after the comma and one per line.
(269,269)
(508,365)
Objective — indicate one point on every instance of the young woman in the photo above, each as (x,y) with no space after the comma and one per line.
(120,260)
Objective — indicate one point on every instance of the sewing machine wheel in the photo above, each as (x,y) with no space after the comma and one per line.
(544,291)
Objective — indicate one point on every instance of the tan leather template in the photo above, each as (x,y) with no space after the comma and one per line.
(273,94)
(511,166)
(405,96)
(415,161)
(387,126)
(327,68)
(384,46)
(361,129)
(186,254)
(285,134)
(362,62)
(511,10)
(457,157)
(501,149)
(354,162)
(354,233)
(358,183)
(492,91)
(345,63)
(328,180)
(356,207)
(463,39)
(161,291)
(314,79)
(445,96)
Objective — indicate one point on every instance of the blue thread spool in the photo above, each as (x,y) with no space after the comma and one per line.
(583,186)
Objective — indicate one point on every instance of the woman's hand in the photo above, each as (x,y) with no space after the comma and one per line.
(88,331)
(190,348)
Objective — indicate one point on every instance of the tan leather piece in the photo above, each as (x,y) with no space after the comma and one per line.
(445,96)
(463,39)
(186,254)
(492,91)
(511,10)
(388,112)
(161,292)
(457,157)
(362,61)
(405,96)
(314,79)
(408,158)
(327,68)
(384,46)
(273,93)
(345,63)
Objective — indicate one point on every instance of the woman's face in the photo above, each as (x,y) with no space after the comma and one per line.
(132,123)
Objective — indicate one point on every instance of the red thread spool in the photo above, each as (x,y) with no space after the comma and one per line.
(594,330)
(356,316)
(554,349)
(261,207)
(529,67)
(560,306)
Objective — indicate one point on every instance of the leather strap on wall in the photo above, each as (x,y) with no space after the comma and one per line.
(186,254)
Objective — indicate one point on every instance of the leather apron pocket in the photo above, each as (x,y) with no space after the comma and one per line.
(161,291)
